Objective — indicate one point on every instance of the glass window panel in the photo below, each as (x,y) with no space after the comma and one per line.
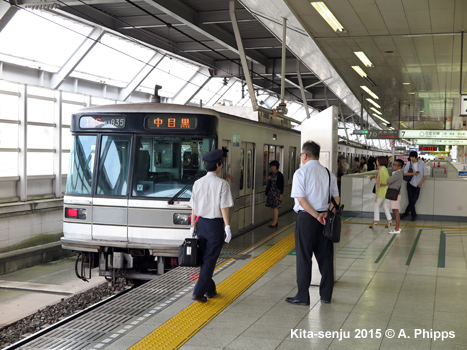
(98,101)
(8,135)
(40,137)
(233,95)
(9,107)
(242,170)
(35,47)
(208,91)
(69,96)
(40,110)
(39,163)
(250,168)
(8,163)
(168,166)
(67,139)
(265,164)
(67,110)
(113,169)
(79,178)
(9,86)
(40,91)
(115,58)
(65,163)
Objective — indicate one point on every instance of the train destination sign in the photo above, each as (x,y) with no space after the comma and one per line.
(102,122)
(440,142)
(165,122)
(433,134)
(378,134)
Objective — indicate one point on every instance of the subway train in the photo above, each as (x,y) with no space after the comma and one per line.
(132,169)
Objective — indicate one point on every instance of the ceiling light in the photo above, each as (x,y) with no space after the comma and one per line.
(405,83)
(359,71)
(384,120)
(376,111)
(369,92)
(363,58)
(373,103)
(391,128)
(411,93)
(328,16)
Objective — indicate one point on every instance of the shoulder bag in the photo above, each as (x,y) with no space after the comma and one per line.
(407,177)
(392,194)
(332,229)
(188,253)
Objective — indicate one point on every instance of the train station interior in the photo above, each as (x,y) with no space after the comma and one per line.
(393,73)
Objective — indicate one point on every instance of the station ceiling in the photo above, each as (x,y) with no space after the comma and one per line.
(414,45)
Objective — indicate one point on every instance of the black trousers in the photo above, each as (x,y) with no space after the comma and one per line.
(211,238)
(309,240)
(413,192)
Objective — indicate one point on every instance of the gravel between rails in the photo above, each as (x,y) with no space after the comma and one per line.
(51,314)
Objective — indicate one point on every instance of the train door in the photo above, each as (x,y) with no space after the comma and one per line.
(246,184)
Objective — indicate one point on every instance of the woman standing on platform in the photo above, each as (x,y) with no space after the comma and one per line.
(274,191)
(381,188)
(363,165)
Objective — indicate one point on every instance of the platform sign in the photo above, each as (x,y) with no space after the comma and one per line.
(463,106)
(360,132)
(440,142)
(463,174)
(433,134)
(383,134)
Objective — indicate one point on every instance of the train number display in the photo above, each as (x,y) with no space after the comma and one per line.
(102,122)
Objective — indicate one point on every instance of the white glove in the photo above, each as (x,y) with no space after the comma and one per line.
(228,234)
(192,231)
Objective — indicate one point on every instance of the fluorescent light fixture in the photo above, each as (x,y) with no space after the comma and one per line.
(327,15)
(376,111)
(359,71)
(369,92)
(373,103)
(391,128)
(362,57)
(384,120)
(411,93)
(405,83)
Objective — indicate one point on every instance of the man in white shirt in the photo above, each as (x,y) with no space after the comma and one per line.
(414,185)
(210,202)
(310,190)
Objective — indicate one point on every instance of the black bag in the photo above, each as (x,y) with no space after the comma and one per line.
(188,253)
(407,177)
(332,229)
(374,188)
(392,194)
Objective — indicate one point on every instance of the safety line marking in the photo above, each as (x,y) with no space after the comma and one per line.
(180,328)
(409,259)
(442,250)
(385,248)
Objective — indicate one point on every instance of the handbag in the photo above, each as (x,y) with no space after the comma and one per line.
(392,194)
(188,253)
(407,177)
(374,188)
(332,228)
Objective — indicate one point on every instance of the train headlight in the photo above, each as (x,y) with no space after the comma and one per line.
(75,213)
(182,219)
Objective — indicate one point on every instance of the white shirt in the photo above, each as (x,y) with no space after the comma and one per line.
(312,182)
(209,195)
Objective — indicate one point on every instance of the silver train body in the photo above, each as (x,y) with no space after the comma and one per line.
(132,168)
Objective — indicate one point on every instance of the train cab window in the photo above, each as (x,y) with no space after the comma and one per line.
(168,166)
(79,180)
(114,161)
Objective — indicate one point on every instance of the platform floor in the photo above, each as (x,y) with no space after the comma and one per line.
(403,291)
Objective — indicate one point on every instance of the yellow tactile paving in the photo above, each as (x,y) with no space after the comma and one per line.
(180,328)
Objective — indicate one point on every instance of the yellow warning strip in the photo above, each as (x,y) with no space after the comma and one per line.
(404,225)
(180,328)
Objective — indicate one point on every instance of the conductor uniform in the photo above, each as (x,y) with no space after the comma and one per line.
(310,190)
(210,200)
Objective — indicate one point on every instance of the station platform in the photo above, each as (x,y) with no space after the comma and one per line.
(404,291)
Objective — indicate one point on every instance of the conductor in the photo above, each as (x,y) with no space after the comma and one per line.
(210,201)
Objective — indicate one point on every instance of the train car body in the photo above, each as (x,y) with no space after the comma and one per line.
(131,173)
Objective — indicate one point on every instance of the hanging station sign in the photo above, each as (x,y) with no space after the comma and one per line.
(440,142)
(433,134)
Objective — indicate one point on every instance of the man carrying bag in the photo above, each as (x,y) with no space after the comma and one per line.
(210,201)
(310,189)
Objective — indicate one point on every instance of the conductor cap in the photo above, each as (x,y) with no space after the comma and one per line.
(214,156)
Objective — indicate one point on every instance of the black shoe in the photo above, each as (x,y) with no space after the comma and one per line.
(326,301)
(277,223)
(414,219)
(296,301)
(403,215)
(202,299)
(211,295)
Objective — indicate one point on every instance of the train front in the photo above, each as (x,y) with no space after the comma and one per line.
(132,169)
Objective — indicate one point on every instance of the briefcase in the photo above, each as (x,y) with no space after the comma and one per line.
(189,254)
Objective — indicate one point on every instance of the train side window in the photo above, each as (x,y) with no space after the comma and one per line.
(113,167)
(250,168)
(292,162)
(82,156)
(242,166)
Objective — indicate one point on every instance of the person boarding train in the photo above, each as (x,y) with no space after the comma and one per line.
(210,202)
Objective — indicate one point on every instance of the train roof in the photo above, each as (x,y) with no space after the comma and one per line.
(147,107)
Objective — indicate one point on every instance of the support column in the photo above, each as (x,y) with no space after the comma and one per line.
(22,143)
(57,135)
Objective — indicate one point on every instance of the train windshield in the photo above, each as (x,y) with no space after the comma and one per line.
(79,179)
(168,166)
